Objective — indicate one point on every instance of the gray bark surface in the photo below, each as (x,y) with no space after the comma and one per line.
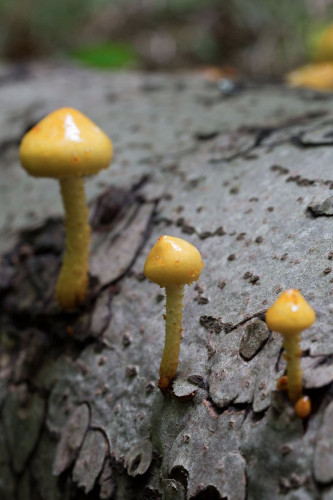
(247,178)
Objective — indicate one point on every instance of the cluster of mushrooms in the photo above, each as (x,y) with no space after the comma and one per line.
(67,145)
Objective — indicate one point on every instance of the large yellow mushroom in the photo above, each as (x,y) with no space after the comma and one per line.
(290,315)
(172,263)
(67,145)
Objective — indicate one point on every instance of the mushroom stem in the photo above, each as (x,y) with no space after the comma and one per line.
(294,372)
(173,334)
(73,278)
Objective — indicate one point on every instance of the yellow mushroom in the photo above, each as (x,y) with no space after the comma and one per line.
(172,263)
(67,145)
(317,76)
(290,315)
(303,407)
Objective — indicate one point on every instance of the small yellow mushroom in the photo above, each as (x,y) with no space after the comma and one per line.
(67,145)
(303,407)
(290,315)
(317,76)
(172,263)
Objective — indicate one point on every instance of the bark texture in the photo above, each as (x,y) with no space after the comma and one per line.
(246,176)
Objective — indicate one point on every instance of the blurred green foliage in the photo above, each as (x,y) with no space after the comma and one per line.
(260,37)
(39,27)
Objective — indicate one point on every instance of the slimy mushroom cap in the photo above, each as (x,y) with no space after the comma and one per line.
(65,143)
(173,261)
(290,313)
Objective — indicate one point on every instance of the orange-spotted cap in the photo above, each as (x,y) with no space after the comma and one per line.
(290,313)
(173,261)
(65,143)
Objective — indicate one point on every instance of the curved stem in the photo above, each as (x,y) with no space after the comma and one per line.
(73,278)
(173,334)
(294,372)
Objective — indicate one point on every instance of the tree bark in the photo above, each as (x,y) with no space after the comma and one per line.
(245,176)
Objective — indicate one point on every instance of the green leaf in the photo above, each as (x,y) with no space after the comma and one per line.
(107,55)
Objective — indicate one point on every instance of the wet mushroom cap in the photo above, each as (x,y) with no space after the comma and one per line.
(63,144)
(290,313)
(173,261)
(303,407)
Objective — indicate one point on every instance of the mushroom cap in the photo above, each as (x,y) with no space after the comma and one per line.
(290,313)
(63,144)
(318,76)
(173,261)
(303,407)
